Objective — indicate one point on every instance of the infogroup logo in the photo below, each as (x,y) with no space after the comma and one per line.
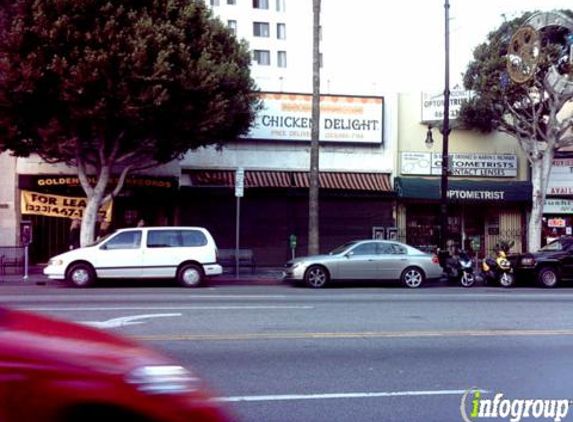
(474,406)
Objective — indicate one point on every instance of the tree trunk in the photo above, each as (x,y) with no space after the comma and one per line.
(313,198)
(539,179)
(95,196)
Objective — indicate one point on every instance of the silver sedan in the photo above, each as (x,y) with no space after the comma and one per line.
(366,260)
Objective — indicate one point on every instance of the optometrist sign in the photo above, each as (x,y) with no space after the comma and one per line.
(288,117)
(463,165)
(433,104)
(35,203)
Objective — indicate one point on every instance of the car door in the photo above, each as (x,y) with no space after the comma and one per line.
(120,256)
(360,263)
(393,259)
(567,262)
(165,250)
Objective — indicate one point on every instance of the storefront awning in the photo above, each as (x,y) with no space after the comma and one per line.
(463,190)
(374,182)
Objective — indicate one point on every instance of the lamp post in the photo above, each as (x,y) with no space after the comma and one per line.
(445,134)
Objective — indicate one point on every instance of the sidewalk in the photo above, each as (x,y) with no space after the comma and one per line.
(262,276)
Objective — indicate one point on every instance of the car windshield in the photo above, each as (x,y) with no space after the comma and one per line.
(553,246)
(342,248)
(101,239)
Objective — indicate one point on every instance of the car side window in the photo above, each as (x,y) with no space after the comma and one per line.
(385,249)
(365,249)
(124,240)
(193,238)
(398,250)
(163,239)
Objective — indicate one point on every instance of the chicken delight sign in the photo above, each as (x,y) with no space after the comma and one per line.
(288,117)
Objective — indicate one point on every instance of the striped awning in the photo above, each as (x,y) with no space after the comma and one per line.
(374,182)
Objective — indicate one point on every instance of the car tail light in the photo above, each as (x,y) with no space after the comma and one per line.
(435,259)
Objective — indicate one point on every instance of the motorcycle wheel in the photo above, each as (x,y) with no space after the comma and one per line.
(506,280)
(468,279)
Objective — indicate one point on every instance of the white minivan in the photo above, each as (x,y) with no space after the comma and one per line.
(187,254)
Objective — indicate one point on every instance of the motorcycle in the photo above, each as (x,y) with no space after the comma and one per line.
(498,270)
(459,268)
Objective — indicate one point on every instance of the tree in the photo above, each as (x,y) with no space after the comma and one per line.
(118,86)
(522,83)
(313,197)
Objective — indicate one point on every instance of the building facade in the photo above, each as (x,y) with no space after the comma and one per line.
(489,193)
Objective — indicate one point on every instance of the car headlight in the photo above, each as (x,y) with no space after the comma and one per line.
(528,261)
(163,379)
(55,262)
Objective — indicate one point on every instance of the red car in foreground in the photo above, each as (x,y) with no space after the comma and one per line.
(52,370)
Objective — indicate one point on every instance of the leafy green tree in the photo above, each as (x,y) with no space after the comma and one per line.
(537,109)
(115,86)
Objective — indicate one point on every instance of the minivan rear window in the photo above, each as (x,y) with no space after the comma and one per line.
(175,238)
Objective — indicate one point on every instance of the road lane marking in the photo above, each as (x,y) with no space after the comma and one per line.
(284,397)
(352,335)
(123,321)
(166,308)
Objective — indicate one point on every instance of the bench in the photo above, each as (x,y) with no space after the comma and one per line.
(11,256)
(226,258)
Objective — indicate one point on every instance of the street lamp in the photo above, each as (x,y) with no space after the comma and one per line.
(445,134)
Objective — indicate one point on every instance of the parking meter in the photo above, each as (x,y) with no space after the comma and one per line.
(292,243)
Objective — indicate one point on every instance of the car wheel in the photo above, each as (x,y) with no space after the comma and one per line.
(506,280)
(81,275)
(548,277)
(190,275)
(412,277)
(468,279)
(316,277)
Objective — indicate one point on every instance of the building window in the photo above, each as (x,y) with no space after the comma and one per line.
(281,5)
(232,24)
(233,2)
(262,57)
(261,29)
(320,59)
(281,59)
(214,2)
(260,4)
(281,31)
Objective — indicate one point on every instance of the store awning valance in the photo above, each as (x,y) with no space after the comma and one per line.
(463,190)
(374,182)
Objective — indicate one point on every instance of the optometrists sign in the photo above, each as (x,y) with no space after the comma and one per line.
(463,165)
(288,117)
(34,203)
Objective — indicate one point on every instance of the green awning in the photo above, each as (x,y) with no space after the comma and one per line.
(463,190)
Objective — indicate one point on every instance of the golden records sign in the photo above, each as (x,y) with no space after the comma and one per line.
(59,206)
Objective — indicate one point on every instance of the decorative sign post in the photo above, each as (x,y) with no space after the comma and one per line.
(239,191)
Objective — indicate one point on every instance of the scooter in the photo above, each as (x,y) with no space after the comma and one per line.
(498,270)
(460,268)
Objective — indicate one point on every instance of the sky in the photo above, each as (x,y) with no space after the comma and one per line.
(405,51)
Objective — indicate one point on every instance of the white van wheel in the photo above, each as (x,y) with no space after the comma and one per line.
(190,275)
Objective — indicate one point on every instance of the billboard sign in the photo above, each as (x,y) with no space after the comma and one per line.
(288,117)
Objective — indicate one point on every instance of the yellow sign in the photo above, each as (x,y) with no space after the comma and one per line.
(59,206)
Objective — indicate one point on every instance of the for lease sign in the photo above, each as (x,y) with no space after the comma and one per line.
(561,177)
(288,117)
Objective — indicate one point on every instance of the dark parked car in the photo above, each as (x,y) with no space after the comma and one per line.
(549,265)
(56,371)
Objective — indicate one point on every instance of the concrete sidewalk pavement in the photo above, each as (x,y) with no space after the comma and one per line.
(263,275)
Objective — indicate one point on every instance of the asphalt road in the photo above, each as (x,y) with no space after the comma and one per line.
(276,353)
